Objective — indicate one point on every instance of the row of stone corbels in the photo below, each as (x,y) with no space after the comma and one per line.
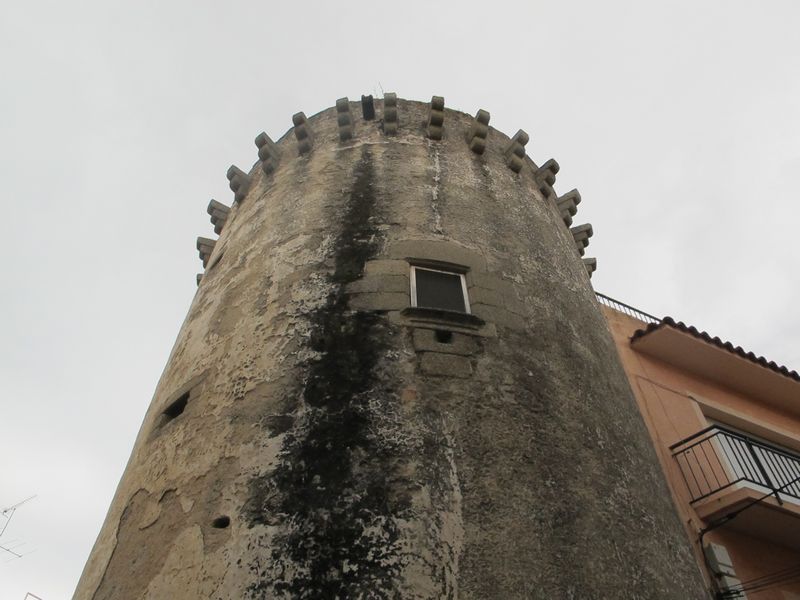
(269,155)
(219,215)
(567,206)
(581,235)
(514,153)
(205,246)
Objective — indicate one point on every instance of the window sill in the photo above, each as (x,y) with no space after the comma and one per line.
(440,316)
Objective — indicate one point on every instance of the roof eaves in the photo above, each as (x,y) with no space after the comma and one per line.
(702,335)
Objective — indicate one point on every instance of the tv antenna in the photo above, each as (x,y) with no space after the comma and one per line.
(6,514)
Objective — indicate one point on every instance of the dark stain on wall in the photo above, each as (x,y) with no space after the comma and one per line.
(333,483)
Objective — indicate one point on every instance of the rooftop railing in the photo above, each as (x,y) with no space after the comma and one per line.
(626,309)
(717,458)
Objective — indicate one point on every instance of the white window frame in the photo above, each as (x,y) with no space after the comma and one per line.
(460,275)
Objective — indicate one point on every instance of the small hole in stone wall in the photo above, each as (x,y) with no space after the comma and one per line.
(444,337)
(221,522)
(177,407)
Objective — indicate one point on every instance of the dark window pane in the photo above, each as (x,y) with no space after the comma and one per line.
(439,290)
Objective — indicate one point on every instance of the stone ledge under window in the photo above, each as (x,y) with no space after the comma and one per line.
(443,320)
(437,315)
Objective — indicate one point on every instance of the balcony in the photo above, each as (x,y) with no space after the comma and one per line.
(725,471)
(717,458)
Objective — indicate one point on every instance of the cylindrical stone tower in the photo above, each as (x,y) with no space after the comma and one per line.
(394,382)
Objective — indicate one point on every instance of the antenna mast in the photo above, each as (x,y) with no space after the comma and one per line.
(7,513)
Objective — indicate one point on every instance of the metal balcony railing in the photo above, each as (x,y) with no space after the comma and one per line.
(717,458)
(626,309)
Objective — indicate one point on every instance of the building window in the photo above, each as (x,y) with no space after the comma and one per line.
(435,288)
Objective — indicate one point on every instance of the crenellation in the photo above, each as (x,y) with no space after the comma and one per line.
(568,205)
(343,119)
(239,183)
(367,107)
(205,247)
(515,151)
(390,116)
(546,177)
(581,235)
(302,132)
(436,118)
(478,132)
(219,215)
(590,264)
(268,152)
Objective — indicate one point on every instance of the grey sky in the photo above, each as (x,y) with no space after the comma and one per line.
(678,122)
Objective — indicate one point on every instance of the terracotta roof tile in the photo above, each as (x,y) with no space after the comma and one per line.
(680,326)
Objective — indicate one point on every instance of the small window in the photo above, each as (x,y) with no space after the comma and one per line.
(176,408)
(177,402)
(443,290)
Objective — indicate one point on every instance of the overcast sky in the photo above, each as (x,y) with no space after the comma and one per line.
(678,121)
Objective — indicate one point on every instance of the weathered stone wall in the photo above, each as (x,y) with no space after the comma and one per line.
(333,445)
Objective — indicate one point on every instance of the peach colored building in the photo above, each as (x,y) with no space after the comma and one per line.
(726,427)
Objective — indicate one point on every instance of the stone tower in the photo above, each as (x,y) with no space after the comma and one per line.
(394,382)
